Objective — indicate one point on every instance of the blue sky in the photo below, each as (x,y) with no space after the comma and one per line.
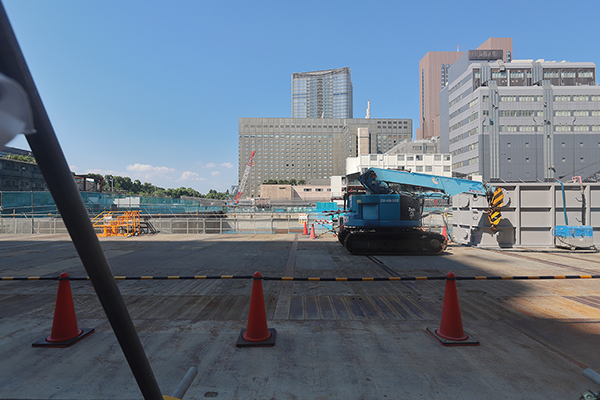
(154,89)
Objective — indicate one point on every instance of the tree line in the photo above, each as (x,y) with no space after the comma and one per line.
(124,185)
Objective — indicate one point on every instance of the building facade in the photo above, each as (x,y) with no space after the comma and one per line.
(523,120)
(20,176)
(434,75)
(322,94)
(310,193)
(434,164)
(311,149)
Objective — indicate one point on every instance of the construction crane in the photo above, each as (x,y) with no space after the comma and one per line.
(387,220)
(236,199)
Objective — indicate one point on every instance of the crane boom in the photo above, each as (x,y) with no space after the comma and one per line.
(244,178)
(376,180)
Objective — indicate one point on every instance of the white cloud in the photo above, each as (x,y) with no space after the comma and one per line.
(148,171)
(190,176)
(215,173)
(104,172)
(226,165)
(210,165)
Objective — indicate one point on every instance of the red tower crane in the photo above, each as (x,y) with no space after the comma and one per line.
(244,178)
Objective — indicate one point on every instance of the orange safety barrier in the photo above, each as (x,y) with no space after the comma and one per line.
(118,223)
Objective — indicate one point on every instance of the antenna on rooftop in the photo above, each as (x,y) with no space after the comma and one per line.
(368,109)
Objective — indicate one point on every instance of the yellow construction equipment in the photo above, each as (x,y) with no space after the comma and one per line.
(118,223)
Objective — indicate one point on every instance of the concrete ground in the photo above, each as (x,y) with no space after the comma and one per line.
(335,340)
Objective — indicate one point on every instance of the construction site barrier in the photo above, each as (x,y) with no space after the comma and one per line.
(290,278)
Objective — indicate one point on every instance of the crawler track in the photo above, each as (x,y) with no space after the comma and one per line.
(407,242)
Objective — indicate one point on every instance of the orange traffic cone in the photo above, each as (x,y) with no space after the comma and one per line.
(305,232)
(256,332)
(445,232)
(451,329)
(64,326)
(312,231)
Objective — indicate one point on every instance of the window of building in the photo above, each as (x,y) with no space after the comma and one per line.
(318,190)
(581,128)
(563,160)
(437,157)
(509,159)
(428,168)
(419,157)
(410,158)
(516,74)
(526,98)
(508,98)
(562,97)
(526,113)
(400,157)
(562,113)
(581,113)
(526,159)
(446,168)
(579,97)
(419,168)
(581,159)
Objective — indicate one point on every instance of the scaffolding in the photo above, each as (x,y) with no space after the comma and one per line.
(118,223)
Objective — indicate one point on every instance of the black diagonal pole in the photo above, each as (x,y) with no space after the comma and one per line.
(54,167)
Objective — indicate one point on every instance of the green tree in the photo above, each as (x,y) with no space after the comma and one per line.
(17,157)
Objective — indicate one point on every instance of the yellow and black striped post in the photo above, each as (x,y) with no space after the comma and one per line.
(494,214)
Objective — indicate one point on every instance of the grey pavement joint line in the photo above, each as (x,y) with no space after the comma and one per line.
(282,309)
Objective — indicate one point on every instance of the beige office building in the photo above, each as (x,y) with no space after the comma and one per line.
(433,77)
(311,149)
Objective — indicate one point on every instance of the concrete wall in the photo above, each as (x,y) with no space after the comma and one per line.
(530,213)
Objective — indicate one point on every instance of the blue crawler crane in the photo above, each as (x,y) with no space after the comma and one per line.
(387,220)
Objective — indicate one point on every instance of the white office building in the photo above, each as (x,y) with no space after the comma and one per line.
(524,120)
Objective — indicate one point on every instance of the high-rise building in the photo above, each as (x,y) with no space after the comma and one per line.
(322,94)
(434,70)
(521,120)
(311,149)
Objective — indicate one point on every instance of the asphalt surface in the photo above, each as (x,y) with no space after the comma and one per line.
(335,340)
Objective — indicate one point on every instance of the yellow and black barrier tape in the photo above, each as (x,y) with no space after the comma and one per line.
(310,279)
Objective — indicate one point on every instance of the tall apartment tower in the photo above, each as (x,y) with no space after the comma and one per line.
(322,94)
(433,77)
